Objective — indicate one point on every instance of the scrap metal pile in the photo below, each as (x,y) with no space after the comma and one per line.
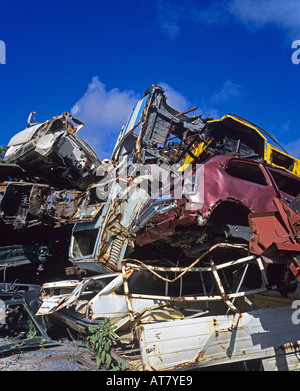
(187,239)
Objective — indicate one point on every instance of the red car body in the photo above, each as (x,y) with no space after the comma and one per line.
(226,185)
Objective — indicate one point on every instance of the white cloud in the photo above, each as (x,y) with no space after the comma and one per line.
(175,99)
(293,148)
(259,13)
(180,103)
(215,13)
(229,91)
(285,127)
(169,16)
(104,113)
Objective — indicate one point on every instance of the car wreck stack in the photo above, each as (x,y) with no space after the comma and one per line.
(190,231)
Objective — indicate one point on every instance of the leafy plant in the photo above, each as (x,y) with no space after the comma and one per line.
(32,332)
(3,150)
(100,342)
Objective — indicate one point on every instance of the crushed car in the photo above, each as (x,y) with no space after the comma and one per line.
(174,242)
(45,173)
(187,239)
(52,151)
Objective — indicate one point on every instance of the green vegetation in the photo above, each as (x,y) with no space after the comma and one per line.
(100,342)
(3,150)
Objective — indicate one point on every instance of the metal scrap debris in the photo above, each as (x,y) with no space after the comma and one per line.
(190,233)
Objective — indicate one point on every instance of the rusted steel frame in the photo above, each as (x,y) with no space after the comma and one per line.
(194,298)
(127,265)
(168,132)
(184,270)
(240,283)
(145,114)
(125,276)
(221,288)
(186,111)
(187,149)
(262,270)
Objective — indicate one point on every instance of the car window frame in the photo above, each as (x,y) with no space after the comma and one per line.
(258,165)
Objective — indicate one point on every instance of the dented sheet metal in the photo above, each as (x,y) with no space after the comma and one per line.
(153,126)
(151,129)
(236,135)
(52,151)
(91,300)
(25,204)
(35,222)
(209,341)
(183,234)
(101,243)
(277,236)
(227,190)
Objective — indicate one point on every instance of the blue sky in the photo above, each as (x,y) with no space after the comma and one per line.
(96,58)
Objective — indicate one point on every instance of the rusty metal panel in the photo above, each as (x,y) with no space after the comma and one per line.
(87,213)
(110,227)
(52,302)
(209,341)
(24,204)
(286,358)
(277,236)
